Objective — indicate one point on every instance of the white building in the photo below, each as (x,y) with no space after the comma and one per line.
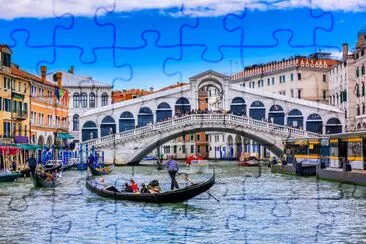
(84,94)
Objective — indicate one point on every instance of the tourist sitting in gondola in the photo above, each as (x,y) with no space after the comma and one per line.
(144,189)
(154,186)
(134,186)
(127,188)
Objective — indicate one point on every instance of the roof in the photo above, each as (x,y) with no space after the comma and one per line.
(26,75)
(72,80)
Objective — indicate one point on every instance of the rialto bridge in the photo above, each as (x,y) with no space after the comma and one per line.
(128,130)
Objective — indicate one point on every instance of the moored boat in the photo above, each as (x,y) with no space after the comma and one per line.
(101,170)
(8,176)
(249,163)
(179,195)
(191,158)
(52,165)
(46,181)
(68,165)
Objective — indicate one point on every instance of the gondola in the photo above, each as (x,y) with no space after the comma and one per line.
(38,181)
(50,167)
(249,163)
(102,170)
(8,176)
(68,165)
(159,166)
(179,195)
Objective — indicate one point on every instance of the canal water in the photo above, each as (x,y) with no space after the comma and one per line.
(252,206)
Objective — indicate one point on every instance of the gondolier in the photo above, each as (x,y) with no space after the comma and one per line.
(172,170)
(32,163)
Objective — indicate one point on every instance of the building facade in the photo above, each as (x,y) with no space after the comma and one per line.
(14,101)
(84,94)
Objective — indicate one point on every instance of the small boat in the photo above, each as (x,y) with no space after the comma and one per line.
(38,181)
(191,158)
(68,165)
(52,165)
(150,157)
(101,170)
(179,195)
(8,176)
(249,163)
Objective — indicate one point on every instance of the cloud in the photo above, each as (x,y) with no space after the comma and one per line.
(51,8)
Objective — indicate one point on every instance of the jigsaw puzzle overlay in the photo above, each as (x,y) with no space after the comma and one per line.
(245,205)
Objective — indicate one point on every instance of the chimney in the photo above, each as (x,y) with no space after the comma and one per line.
(43,73)
(71,70)
(344,50)
(59,79)
(361,39)
(151,89)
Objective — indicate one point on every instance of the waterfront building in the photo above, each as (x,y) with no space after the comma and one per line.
(84,94)
(49,108)
(14,101)
(347,85)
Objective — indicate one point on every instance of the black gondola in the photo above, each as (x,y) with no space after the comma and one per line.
(159,166)
(38,181)
(102,170)
(49,168)
(68,165)
(179,195)
(8,176)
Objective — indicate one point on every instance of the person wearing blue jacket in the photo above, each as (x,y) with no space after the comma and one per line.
(172,167)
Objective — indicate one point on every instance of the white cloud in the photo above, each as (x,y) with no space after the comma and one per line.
(50,8)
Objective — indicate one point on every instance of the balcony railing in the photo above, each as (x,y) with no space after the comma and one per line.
(20,115)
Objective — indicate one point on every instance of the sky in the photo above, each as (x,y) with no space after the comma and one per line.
(144,43)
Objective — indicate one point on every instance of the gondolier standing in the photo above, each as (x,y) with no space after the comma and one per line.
(32,164)
(172,170)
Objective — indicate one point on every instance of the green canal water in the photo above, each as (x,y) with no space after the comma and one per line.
(254,206)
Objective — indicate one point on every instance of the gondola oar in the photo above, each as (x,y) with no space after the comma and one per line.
(185,176)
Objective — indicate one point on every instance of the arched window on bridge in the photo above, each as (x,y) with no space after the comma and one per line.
(108,126)
(89,131)
(295,119)
(333,126)
(145,116)
(257,111)
(182,106)
(126,121)
(238,106)
(314,123)
(163,112)
(276,115)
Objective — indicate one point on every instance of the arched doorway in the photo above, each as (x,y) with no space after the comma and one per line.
(295,119)
(126,121)
(163,112)
(257,111)
(41,141)
(144,117)
(238,146)
(49,142)
(230,151)
(108,126)
(89,131)
(182,106)
(276,115)
(314,123)
(238,106)
(333,126)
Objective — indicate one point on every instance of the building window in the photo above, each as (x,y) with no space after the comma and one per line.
(324,78)
(284,78)
(92,100)
(324,94)
(363,69)
(198,137)
(363,108)
(357,90)
(299,93)
(84,100)
(357,72)
(5,59)
(292,92)
(298,76)
(104,99)
(198,149)
(358,109)
(75,122)
(292,76)
(268,82)
(76,100)
(192,148)
(166,149)
(273,81)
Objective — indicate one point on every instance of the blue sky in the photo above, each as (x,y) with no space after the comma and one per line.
(160,45)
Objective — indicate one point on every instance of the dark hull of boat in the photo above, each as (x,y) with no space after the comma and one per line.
(159,166)
(39,182)
(97,172)
(9,177)
(180,195)
(249,164)
(51,169)
(67,166)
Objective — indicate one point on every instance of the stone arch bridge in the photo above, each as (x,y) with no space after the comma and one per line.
(128,130)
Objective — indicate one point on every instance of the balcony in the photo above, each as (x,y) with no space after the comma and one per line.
(17,95)
(20,115)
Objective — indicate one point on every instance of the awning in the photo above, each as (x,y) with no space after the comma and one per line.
(28,147)
(9,150)
(64,135)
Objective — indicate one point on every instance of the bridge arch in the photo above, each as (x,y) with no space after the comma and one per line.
(238,106)
(108,126)
(314,123)
(276,115)
(257,110)
(182,106)
(333,126)
(295,119)
(126,121)
(144,116)
(163,112)
(89,131)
